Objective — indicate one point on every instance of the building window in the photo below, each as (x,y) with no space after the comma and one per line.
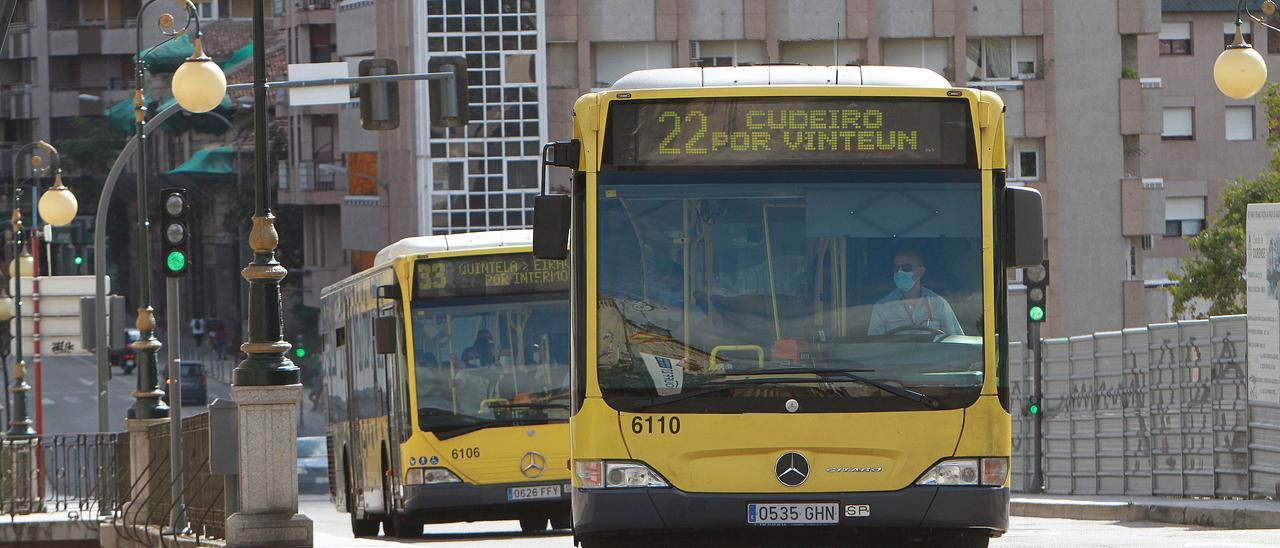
(725,53)
(1183,216)
(1175,38)
(1229,32)
(617,59)
(823,52)
(1273,41)
(930,53)
(1002,58)
(1179,124)
(1028,165)
(1240,123)
(519,69)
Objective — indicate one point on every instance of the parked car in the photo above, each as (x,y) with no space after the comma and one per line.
(195,385)
(122,355)
(313,465)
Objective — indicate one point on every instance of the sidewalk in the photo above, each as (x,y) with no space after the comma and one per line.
(1223,513)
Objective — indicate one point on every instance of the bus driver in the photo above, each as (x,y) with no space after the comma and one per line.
(911,305)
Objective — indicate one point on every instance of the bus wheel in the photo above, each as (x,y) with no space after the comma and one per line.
(533,525)
(402,526)
(363,527)
(562,520)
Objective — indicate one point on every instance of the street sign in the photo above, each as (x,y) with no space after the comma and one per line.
(319,95)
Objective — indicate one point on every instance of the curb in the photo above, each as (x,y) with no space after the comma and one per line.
(1178,514)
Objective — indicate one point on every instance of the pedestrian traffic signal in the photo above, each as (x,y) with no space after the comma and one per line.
(175,232)
(1037,280)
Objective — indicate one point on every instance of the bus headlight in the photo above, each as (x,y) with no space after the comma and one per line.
(596,474)
(989,471)
(430,476)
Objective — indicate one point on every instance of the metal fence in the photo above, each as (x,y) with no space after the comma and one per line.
(202,492)
(85,476)
(1159,410)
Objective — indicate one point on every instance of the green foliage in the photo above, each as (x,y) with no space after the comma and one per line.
(1215,273)
(1128,73)
(93,150)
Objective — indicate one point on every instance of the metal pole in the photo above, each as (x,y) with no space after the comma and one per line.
(177,516)
(19,422)
(266,364)
(100,262)
(1037,382)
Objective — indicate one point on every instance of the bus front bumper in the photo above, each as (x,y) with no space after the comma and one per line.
(468,502)
(638,510)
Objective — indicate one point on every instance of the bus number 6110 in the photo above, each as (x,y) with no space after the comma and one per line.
(658,425)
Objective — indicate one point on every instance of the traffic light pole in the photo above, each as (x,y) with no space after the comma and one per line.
(177,513)
(1037,424)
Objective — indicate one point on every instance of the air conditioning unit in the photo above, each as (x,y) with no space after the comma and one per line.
(695,50)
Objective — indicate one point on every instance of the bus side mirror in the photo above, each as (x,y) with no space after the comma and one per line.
(384,334)
(551,226)
(1024,227)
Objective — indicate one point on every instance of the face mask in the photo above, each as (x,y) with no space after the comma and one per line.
(904,280)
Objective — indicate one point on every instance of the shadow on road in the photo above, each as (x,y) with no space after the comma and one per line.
(477,536)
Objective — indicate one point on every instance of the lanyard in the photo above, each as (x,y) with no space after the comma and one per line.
(911,317)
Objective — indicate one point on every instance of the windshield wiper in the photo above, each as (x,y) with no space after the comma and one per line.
(528,406)
(851,374)
(455,431)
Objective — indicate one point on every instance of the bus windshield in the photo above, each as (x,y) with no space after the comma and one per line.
(737,291)
(496,362)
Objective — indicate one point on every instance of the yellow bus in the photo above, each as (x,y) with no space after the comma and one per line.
(447,382)
(789,304)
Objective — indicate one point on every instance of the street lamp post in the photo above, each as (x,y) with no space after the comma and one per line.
(1240,72)
(57,207)
(194,84)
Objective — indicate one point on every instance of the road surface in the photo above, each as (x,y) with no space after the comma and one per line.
(334,529)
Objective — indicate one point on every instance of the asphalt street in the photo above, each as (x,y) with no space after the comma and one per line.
(334,529)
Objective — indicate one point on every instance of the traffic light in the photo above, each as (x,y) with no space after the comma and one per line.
(1037,280)
(1033,406)
(299,352)
(379,101)
(175,232)
(449,101)
(78,260)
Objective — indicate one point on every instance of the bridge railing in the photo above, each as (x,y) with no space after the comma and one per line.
(85,476)
(201,492)
(1158,410)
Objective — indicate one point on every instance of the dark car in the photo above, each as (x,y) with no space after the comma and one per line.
(122,355)
(195,386)
(313,465)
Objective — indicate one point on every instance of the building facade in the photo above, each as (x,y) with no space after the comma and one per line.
(1135,167)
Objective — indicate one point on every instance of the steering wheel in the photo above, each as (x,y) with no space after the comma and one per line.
(918,328)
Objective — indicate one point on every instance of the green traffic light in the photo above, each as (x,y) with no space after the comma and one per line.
(300,352)
(176,261)
(78,260)
(1034,409)
(1036,313)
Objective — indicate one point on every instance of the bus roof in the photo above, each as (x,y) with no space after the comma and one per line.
(454,242)
(763,75)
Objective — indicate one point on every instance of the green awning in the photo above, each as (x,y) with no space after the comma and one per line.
(209,161)
(120,116)
(169,56)
(240,56)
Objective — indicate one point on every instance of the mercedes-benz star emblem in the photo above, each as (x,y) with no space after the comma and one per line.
(792,469)
(533,464)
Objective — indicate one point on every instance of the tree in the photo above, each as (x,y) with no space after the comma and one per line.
(1215,273)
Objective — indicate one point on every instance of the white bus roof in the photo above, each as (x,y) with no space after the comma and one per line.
(802,75)
(453,242)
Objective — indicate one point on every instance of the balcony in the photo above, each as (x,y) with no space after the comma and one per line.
(1140,106)
(1141,206)
(106,37)
(1138,16)
(18,45)
(15,100)
(312,183)
(315,12)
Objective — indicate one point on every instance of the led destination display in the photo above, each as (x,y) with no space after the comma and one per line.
(792,131)
(488,275)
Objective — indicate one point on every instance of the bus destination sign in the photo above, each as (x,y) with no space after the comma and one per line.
(790,131)
(486,275)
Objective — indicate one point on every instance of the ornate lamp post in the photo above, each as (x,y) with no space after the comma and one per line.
(57,207)
(1240,72)
(199,86)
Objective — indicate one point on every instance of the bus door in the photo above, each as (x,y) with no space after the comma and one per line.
(397,385)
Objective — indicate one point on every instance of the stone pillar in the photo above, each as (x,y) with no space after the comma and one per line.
(267,418)
(140,453)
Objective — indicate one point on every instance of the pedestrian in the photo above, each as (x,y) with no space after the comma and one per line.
(197,331)
(317,388)
(219,339)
